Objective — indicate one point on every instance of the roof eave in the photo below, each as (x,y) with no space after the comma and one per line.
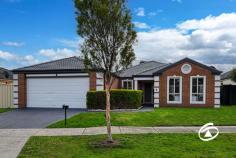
(142,75)
(55,71)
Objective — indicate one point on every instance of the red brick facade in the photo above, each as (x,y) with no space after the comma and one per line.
(116,83)
(21,90)
(92,80)
(196,70)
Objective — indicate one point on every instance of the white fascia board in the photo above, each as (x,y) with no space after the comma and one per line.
(143,78)
(41,75)
(73,74)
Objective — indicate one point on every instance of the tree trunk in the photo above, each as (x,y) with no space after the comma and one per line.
(108,117)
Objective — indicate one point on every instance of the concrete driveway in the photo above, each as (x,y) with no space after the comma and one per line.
(33,118)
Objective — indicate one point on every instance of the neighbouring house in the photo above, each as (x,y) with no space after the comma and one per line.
(228,89)
(185,83)
(5,76)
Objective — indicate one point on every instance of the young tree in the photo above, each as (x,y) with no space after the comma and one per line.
(108,33)
(233,75)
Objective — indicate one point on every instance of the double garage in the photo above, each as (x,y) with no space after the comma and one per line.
(53,92)
(53,84)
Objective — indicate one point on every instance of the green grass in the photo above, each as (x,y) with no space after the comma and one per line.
(4,110)
(132,146)
(158,117)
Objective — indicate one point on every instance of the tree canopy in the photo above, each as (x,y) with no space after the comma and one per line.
(108,33)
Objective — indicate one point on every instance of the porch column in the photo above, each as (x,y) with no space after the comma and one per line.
(156,91)
(217,91)
(135,84)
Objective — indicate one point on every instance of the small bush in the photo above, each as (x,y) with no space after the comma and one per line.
(120,99)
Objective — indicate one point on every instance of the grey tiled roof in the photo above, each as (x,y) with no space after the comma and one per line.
(72,63)
(226,75)
(150,72)
(155,68)
(146,68)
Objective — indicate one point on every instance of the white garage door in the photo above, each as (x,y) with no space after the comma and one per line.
(54,92)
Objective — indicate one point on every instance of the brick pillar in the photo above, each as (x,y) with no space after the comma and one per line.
(92,80)
(22,91)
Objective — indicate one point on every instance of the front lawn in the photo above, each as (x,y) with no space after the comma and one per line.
(132,146)
(158,117)
(4,110)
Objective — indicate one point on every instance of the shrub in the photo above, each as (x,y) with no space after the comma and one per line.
(120,99)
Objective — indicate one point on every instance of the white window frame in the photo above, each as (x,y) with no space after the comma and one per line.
(180,89)
(204,90)
(127,81)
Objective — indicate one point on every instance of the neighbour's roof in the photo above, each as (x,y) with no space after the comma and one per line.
(5,74)
(72,63)
(226,75)
(144,68)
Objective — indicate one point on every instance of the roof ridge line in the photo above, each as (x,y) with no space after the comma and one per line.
(152,69)
(144,63)
(47,62)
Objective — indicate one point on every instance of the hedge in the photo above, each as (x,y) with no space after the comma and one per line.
(120,99)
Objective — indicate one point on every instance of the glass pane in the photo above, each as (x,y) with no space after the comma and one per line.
(129,85)
(177,97)
(194,89)
(200,81)
(194,82)
(186,68)
(177,86)
(194,97)
(171,89)
(171,82)
(171,86)
(200,88)
(125,84)
(171,97)
(200,97)
(177,89)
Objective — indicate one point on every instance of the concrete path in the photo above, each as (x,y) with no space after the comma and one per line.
(13,140)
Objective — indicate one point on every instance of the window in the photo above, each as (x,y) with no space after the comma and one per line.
(127,84)
(174,86)
(197,90)
(186,68)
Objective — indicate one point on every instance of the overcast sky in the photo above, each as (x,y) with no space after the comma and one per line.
(34,31)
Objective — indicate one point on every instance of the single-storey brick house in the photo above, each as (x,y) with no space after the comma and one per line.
(185,83)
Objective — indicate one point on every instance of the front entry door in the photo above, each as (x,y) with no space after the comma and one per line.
(148,93)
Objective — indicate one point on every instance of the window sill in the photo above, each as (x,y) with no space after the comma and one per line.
(168,102)
(194,103)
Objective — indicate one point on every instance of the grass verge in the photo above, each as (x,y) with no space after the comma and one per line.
(138,146)
(4,110)
(158,117)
